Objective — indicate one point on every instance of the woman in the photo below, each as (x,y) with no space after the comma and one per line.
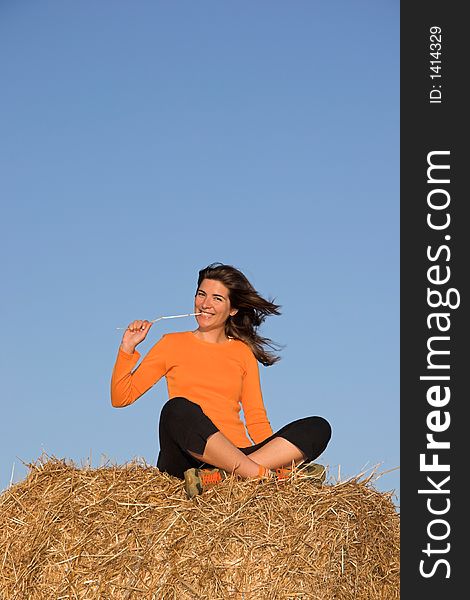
(211,374)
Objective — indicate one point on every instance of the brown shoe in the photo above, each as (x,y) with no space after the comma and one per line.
(311,470)
(197,481)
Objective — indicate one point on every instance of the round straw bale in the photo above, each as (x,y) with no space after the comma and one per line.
(128,532)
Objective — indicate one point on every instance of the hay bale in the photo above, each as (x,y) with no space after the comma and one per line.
(129,532)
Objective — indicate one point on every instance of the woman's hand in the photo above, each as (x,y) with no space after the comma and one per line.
(135,333)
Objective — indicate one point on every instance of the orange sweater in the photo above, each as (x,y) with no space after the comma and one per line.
(220,378)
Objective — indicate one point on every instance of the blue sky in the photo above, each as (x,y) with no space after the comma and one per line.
(141,142)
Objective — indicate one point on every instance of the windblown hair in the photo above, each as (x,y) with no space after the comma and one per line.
(252,310)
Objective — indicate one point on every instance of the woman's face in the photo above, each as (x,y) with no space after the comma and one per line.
(213,302)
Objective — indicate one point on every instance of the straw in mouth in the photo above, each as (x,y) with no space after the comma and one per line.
(169,317)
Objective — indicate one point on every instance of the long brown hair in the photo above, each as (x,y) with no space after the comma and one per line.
(252,310)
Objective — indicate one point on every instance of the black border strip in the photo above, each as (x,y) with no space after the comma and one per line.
(434,272)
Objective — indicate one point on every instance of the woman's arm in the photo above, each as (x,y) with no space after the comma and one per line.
(256,419)
(128,385)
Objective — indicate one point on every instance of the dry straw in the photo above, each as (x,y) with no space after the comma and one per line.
(129,532)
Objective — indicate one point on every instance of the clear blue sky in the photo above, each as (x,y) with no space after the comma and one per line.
(141,141)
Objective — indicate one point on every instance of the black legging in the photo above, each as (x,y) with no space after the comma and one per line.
(184,427)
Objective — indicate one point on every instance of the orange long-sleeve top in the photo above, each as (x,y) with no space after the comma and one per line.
(221,378)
